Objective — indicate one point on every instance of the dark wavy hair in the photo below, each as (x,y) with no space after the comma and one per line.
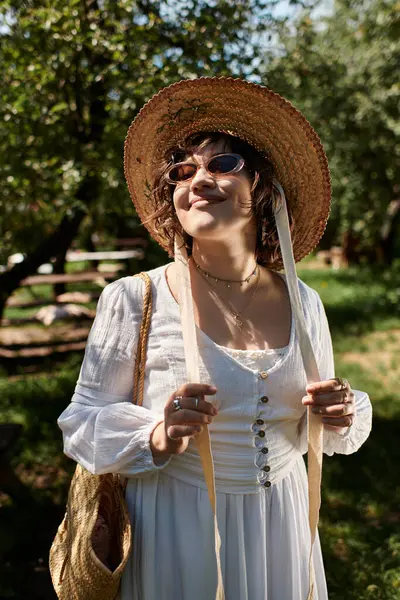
(260,168)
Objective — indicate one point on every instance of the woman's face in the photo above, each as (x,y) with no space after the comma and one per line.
(210,207)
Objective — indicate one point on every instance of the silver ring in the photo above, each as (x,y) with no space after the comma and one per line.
(197,400)
(177,403)
(344,410)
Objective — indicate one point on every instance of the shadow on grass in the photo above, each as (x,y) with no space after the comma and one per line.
(29,519)
(357,300)
(360,518)
(359,318)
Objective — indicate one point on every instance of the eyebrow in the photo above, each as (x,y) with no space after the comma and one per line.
(212,156)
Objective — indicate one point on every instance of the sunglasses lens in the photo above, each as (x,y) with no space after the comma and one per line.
(182,172)
(223,164)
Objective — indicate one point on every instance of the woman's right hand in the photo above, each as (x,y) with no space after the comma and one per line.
(172,435)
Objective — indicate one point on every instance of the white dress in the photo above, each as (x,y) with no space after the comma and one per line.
(258,439)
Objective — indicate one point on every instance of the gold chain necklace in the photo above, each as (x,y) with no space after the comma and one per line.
(236,315)
(228,282)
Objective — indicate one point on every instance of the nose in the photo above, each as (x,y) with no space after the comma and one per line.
(202,179)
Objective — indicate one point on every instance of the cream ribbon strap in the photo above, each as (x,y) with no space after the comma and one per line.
(314,424)
(192,368)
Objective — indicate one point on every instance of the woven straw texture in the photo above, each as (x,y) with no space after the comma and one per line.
(251,112)
(76,571)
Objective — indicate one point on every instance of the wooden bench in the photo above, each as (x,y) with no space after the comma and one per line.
(51,279)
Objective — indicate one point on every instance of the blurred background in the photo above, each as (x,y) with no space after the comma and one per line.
(73,75)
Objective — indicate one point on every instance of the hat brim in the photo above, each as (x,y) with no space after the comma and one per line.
(250,112)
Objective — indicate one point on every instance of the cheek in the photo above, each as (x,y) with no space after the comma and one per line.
(180,198)
(181,204)
(240,193)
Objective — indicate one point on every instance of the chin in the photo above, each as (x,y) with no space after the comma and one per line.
(202,226)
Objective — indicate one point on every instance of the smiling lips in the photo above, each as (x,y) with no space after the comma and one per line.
(209,199)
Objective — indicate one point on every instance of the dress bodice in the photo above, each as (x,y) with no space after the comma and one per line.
(255,437)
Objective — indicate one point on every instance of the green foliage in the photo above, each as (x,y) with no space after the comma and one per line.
(73,75)
(342,71)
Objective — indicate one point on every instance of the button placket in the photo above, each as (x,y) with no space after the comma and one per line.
(258,427)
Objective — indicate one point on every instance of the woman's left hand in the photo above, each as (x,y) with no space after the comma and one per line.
(334,401)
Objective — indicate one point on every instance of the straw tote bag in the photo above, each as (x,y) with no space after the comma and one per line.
(76,571)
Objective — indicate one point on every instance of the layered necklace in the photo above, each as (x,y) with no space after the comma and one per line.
(228,282)
(237,315)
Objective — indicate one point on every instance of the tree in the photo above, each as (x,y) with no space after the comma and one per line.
(73,74)
(343,74)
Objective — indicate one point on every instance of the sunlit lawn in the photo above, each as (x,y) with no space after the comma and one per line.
(360,517)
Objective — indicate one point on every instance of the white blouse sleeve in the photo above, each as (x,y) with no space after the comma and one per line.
(102,429)
(354,436)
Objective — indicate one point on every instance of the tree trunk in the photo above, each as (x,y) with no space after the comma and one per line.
(59,269)
(350,245)
(388,232)
(89,245)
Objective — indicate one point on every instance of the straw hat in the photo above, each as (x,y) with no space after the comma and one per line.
(250,112)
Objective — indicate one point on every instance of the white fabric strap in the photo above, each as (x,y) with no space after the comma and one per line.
(314,425)
(192,368)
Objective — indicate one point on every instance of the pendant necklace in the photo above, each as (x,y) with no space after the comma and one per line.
(228,282)
(237,320)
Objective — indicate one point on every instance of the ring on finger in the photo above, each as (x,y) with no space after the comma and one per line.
(177,404)
(340,381)
(344,410)
(345,396)
(177,401)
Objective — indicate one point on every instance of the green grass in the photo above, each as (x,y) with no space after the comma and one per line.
(360,516)
(357,300)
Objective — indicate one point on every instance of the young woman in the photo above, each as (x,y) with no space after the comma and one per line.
(202,161)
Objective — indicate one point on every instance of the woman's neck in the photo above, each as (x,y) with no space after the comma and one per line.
(224,261)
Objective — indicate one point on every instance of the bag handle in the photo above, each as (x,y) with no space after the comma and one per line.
(140,363)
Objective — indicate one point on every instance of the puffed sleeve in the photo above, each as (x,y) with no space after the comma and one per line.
(354,436)
(102,429)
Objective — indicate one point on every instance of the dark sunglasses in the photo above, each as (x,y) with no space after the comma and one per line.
(218,166)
